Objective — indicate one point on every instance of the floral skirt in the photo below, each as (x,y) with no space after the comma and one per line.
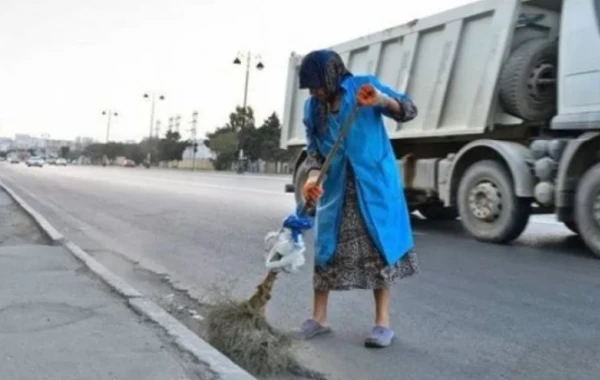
(357,263)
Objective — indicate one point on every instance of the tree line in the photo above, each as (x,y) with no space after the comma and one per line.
(239,133)
(168,148)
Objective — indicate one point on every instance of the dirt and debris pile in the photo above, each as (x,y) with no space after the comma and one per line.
(240,330)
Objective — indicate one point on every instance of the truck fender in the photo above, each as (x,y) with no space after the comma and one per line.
(300,157)
(516,157)
(579,155)
(298,177)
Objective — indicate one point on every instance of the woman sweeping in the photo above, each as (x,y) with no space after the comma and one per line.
(363,232)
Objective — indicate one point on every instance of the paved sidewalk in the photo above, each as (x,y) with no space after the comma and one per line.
(59,322)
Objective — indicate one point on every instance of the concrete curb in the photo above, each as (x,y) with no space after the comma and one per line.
(116,283)
(190,342)
(55,237)
(220,365)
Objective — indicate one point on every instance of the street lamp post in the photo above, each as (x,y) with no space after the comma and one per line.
(153,98)
(109,113)
(259,66)
(157,129)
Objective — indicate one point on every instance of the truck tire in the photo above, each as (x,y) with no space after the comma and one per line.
(527,87)
(488,207)
(587,209)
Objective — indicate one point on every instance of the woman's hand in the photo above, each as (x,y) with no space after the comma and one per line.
(370,96)
(312,192)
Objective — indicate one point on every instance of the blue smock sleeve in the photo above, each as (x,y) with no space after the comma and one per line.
(408,109)
(314,160)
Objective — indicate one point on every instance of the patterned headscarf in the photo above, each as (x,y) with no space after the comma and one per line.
(322,69)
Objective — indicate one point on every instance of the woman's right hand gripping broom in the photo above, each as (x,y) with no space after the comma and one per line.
(312,191)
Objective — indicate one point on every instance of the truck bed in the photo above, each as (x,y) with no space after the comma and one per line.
(448,63)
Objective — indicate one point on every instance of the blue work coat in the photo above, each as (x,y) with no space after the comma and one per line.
(378,182)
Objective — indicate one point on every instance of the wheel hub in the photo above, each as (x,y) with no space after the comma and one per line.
(542,81)
(485,202)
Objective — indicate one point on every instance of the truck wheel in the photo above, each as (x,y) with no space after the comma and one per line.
(487,205)
(300,178)
(438,212)
(587,208)
(527,86)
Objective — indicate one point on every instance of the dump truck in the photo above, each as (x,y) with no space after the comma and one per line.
(508,93)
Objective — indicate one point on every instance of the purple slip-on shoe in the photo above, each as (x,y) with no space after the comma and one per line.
(380,337)
(311,328)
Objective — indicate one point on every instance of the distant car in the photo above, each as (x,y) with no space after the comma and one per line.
(35,161)
(129,164)
(61,162)
(14,160)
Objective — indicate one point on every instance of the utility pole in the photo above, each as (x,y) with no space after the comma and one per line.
(194,142)
(177,123)
(171,124)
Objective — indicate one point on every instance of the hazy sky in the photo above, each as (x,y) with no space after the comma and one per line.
(62,62)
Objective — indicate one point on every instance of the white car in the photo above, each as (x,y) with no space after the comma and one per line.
(35,161)
(61,162)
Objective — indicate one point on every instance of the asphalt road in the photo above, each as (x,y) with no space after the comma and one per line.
(476,311)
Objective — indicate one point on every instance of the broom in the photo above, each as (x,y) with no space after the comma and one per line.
(240,329)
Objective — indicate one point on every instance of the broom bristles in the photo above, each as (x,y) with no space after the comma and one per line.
(241,331)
